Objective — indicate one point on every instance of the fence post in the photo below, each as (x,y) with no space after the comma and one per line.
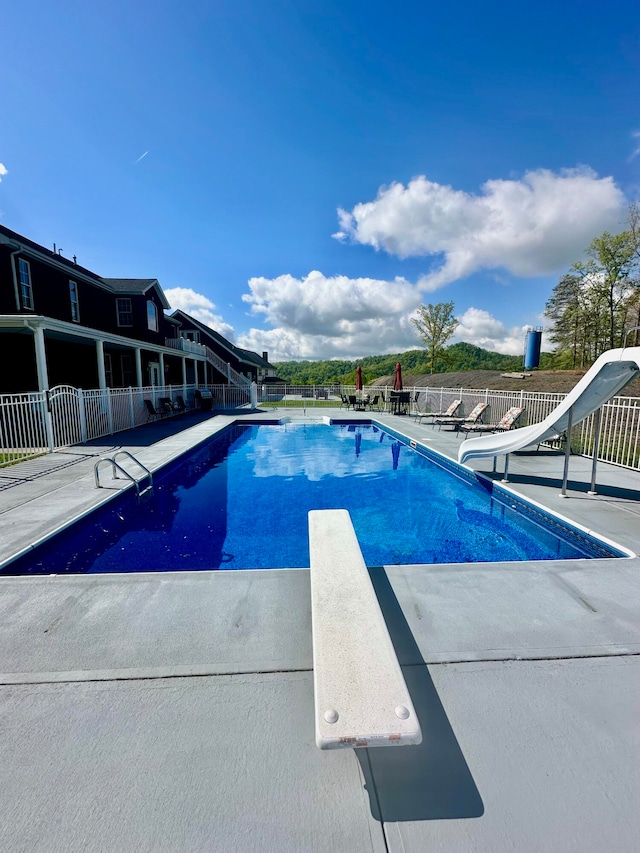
(254,395)
(132,411)
(107,391)
(82,414)
(48,421)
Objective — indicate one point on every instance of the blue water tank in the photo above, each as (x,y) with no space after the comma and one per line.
(532,348)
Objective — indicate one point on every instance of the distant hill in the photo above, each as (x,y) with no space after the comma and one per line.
(468,367)
(551,381)
(457,357)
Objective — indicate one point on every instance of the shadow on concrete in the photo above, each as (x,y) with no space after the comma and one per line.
(619,492)
(431,781)
(145,436)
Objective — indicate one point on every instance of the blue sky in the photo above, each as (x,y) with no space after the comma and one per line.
(304,174)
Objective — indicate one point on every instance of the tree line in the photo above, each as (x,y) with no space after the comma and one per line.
(596,304)
(458,357)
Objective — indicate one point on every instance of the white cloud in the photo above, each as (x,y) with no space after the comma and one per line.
(529,227)
(331,317)
(480,328)
(636,137)
(3,171)
(198,306)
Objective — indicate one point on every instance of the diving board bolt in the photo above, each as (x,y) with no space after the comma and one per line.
(567,454)
(596,448)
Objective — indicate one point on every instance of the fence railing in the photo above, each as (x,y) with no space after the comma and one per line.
(40,422)
(620,424)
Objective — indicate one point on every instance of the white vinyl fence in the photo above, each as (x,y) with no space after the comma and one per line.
(36,423)
(41,422)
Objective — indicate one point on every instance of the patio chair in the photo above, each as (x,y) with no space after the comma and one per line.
(509,421)
(167,406)
(475,417)
(374,403)
(180,404)
(152,412)
(344,401)
(451,411)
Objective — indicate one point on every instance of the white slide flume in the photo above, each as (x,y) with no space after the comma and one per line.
(605,378)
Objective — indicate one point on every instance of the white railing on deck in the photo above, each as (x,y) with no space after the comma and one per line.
(226,369)
(222,366)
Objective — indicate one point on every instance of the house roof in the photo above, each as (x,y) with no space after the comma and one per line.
(29,245)
(137,286)
(133,286)
(254,357)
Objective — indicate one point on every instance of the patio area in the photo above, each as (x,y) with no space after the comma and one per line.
(175,711)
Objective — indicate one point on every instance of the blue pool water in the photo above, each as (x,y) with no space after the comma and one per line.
(241,501)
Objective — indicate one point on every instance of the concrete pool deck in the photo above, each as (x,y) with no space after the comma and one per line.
(175,711)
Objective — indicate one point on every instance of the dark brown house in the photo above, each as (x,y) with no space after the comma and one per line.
(61,323)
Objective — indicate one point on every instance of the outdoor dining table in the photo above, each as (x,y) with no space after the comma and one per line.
(400,402)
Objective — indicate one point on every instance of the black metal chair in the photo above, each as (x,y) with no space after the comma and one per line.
(374,403)
(152,412)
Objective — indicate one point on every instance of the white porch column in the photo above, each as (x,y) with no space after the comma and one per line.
(138,353)
(184,371)
(102,376)
(161,363)
(41,359)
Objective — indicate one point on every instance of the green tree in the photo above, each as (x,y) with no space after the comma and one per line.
(567,309)
(592,306)
(611,261)
(435,325)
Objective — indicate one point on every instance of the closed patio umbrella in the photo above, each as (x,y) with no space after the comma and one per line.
(358,378)
(397,382)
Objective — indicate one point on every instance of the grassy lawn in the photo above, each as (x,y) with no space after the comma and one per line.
(7,459)
(299,404)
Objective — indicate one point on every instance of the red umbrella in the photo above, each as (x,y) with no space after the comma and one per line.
(397,382)
(358,378)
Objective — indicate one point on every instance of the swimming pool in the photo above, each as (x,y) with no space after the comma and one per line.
(241,500)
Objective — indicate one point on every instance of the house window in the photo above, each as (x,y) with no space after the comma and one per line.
(73,296)
(191,336)
(125,312)
(26,293)
(152,316)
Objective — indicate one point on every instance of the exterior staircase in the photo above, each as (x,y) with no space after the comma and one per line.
(223,367)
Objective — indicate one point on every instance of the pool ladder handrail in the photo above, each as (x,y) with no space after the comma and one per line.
(117,467)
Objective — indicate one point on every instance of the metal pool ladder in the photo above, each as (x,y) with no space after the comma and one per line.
(140,494)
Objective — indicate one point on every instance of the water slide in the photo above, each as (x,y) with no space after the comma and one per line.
(604,379)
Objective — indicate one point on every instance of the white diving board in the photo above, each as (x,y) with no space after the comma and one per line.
(361,699)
